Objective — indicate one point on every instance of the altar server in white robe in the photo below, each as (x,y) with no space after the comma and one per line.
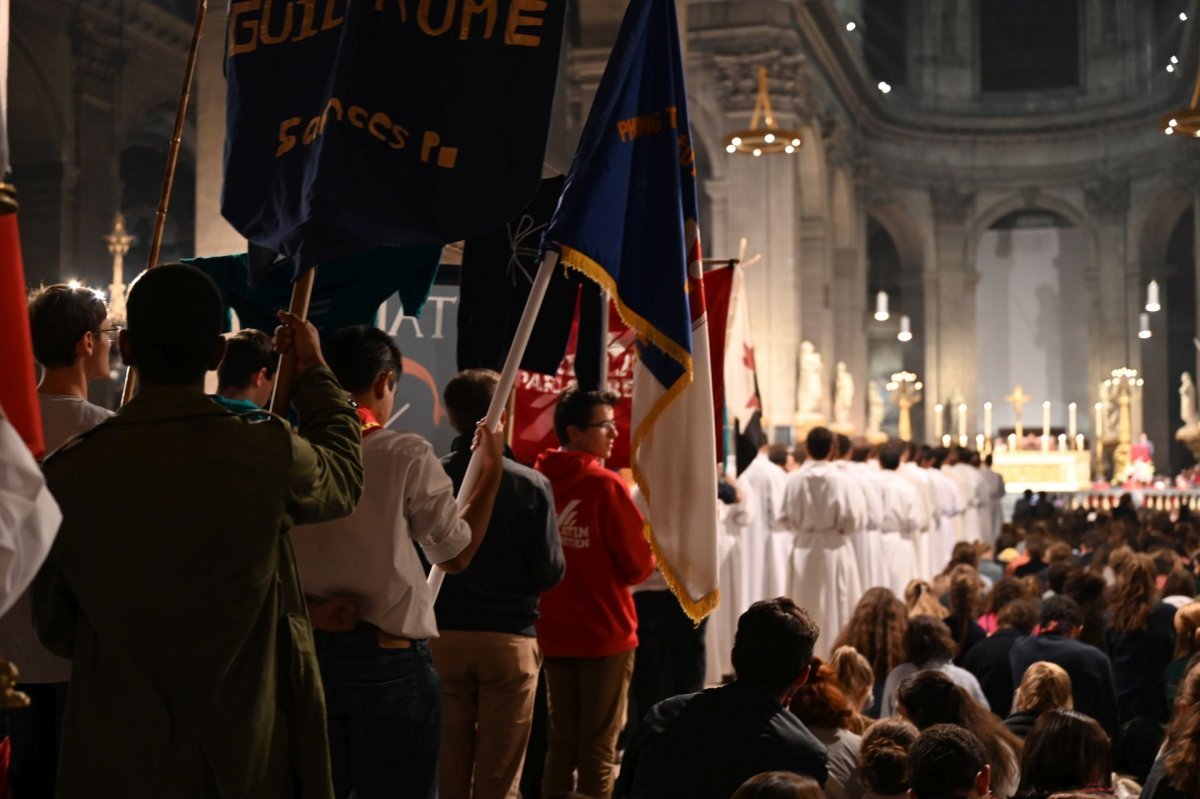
(868,547)
(950,507)
(843,450)
(923,541)
(722,623)
(904,514)
(762,485)
(818,508)
(968,481)
(962,487)
(993,498)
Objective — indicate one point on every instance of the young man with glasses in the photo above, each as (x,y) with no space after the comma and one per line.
(588,627)
(72,338)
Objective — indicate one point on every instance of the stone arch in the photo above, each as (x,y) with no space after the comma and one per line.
(1027,201)
(42,134)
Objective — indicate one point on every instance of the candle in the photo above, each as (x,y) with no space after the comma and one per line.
(1012,442)
(946,440)
(1046,419)
(987,419)
(979,439)
(1099,420)
(937,420)
(962,423)
(1062,442)
(1079,441)
(962,441)
(1072,420)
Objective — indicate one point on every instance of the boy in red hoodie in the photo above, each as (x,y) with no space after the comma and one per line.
(588,625)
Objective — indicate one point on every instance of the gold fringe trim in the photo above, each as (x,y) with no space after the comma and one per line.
(696,609)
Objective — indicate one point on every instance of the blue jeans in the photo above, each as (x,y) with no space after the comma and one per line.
(385,716)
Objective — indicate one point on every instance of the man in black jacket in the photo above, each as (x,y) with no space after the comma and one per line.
(703,746)
(487,652)
(1091,673)
(988,659)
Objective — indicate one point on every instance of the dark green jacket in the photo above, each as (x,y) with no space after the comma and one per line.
(173,589)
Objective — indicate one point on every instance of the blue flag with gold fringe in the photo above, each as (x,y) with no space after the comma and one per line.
(628,220)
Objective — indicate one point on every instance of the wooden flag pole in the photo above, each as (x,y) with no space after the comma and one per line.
(286,374)
(537,294)
(164,198)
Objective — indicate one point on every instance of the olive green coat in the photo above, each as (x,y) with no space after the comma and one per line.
(173,589)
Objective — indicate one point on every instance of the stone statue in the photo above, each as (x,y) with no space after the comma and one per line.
(874,409)
(843,394)
(812,381)
(1112,412)
(1187,400)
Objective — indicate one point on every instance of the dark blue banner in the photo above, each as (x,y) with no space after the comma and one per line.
(356,124)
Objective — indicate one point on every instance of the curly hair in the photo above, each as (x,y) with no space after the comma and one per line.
(964,599)
(1182,746)
(1006,589)
(1134,594)
(820,702)
(1187,630)
(876,630)
(884,756)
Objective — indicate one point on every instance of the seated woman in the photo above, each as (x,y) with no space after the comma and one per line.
(929,698)
(857,679)
(823,708)
(1176,771)
(1187,643)
(884,759)
(928,645)
(1065,751)
(876,631)
(1045,686)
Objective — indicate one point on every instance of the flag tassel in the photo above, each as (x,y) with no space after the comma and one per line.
(537,293)
(164,199)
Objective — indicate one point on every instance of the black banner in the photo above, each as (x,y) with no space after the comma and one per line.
(356,124)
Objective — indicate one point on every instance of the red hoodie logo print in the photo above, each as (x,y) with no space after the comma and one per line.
(571,533)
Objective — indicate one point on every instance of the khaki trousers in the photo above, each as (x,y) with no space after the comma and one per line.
(488,684)
(587,698)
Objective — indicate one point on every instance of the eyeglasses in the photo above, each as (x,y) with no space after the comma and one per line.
(607,424)
(111,332)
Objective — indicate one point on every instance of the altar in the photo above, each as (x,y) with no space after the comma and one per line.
(1054,470)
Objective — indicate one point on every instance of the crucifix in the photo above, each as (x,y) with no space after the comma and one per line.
(1018,399)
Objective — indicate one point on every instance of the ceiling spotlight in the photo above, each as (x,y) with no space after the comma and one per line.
(884,86)
(881,307)
(1144,326)
(851,26)
(905,333)
(1152,303)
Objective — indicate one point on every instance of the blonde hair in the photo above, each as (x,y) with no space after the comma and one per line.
(1187,630)
(854,671)
(1045,686)
(918,595)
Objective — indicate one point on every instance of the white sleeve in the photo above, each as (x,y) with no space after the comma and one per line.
(791,510)
(429,507)
(29,517)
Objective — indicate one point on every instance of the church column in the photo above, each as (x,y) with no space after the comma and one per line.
(1113,318)
(955,376)
(849,323)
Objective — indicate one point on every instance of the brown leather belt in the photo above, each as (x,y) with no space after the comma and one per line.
(389,641)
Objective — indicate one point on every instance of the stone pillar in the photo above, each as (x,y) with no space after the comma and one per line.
(955,367)
(849,324)
(214,236)
(1113,317)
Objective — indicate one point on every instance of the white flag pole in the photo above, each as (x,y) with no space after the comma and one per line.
(537,293)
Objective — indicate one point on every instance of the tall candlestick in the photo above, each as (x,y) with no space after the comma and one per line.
(1072,420)
(1079,442)
(979,439)
(1062,442)
(962,421)
(1099,434)
(938,411)
(1012,442)
(1046,418)
(987,420)
(946,440)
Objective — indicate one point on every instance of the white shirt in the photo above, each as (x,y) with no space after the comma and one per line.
(816,499)
(963,678)
(65,416)
(369,554)
(29,518)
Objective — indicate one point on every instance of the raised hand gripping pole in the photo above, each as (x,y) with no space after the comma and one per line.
(537,293)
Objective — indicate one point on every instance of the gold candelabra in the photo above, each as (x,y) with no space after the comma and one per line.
(905,389)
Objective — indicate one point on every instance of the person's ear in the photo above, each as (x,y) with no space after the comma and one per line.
(124,346)
(983,781)
(803,678)
(382,384)
(258,378)
(214,359)
(86,344)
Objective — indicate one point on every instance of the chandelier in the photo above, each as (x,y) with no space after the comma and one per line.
(1185,121)
(766,139)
